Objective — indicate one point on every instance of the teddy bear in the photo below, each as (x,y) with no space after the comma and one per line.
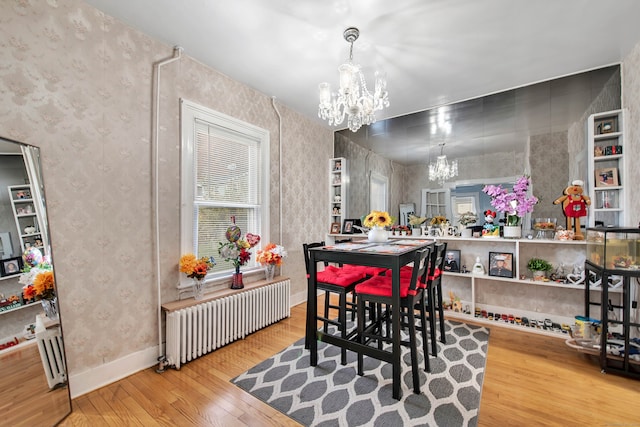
(574,206)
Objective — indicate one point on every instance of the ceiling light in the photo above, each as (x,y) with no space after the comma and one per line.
(353,99)
(441,169)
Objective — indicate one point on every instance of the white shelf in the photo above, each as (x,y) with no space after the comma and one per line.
(615,195)
(338,179)
(24,219)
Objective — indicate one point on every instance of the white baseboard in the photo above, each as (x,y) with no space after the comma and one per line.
(108,373)
(111,372)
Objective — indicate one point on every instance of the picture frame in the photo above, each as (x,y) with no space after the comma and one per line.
(608,125)
(335,228)
(606,177)
(11,266)
(347,226)
(452,261)
(501,264)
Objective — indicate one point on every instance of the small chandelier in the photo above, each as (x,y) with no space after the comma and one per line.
(353,98)
(442,170)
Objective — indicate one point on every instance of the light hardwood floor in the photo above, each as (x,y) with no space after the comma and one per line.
(25,396)
(530,380)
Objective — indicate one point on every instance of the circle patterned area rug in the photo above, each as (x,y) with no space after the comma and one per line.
(330,394)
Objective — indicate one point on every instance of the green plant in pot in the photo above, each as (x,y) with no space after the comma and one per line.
(539,268)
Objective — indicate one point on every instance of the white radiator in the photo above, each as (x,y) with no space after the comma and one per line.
(51,352)
(202,328)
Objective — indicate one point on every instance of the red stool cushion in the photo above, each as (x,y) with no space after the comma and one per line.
(381,286)
(369,271)
(338,276)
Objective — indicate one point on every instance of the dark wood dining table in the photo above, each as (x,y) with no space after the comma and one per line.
(393,255)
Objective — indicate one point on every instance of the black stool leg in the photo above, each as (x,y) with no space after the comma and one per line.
(432,319)
(425,345)
(414,350)
(342,319)
(443,338)
(360,315)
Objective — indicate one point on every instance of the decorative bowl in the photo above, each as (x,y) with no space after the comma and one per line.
(544,224)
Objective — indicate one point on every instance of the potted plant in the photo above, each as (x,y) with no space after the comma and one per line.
(513,204)
(466,219)
(416,222)
(539,268)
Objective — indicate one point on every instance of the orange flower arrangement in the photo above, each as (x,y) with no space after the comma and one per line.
(42,288)
(196,268)
(271,254)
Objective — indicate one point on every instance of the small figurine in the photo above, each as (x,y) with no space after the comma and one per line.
(489,229)
(478,268)
(574,205)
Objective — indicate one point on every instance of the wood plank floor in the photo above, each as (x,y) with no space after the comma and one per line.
(530,380)
(25,396)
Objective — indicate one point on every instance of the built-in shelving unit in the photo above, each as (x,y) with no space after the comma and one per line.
(338,180)
(517,296)
(28,221)
(607,176)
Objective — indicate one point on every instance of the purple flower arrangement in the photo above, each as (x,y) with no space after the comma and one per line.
(514,204)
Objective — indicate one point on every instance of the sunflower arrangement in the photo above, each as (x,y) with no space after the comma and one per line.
(438,220)
(377,219)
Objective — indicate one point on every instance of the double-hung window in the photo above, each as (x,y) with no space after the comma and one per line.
(224,175)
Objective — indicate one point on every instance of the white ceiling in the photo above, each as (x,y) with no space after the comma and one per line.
(434,52)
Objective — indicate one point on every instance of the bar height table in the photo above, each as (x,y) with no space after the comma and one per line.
(392,255)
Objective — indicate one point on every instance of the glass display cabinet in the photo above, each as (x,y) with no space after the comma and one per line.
(613,265)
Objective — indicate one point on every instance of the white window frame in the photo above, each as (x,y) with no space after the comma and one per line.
(189,113)
(378,192)
(466,198)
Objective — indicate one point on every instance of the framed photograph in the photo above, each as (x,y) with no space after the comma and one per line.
(335,228)
(347,227)
(501,264)
(607,177)
(452,261)
(608,125)
(11,266)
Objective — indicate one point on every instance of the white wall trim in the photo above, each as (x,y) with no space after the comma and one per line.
(111,372)
(93,379)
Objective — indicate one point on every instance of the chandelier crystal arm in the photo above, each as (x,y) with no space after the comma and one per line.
(441,169)
(353,99)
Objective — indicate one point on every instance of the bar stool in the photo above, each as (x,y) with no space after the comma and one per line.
(339,281)
(434,302)
(378,290)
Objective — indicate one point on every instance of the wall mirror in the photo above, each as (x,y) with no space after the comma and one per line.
(538,130)
(33,384)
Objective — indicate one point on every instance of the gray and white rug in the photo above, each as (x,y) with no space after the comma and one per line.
(334,395)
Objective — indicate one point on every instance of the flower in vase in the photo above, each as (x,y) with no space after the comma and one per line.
(377,219)
(196,268)
(42,287)
(271,254)
(514,204)
(236,249)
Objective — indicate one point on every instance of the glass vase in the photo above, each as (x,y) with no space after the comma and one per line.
(270,271)
(50,307)
(236,280)
(198,288)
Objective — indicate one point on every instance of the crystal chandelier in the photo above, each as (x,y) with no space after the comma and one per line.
(353,98)
(441,169)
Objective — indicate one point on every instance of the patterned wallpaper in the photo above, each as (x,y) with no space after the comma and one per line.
(361,163)
(78,84)
(631,101)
